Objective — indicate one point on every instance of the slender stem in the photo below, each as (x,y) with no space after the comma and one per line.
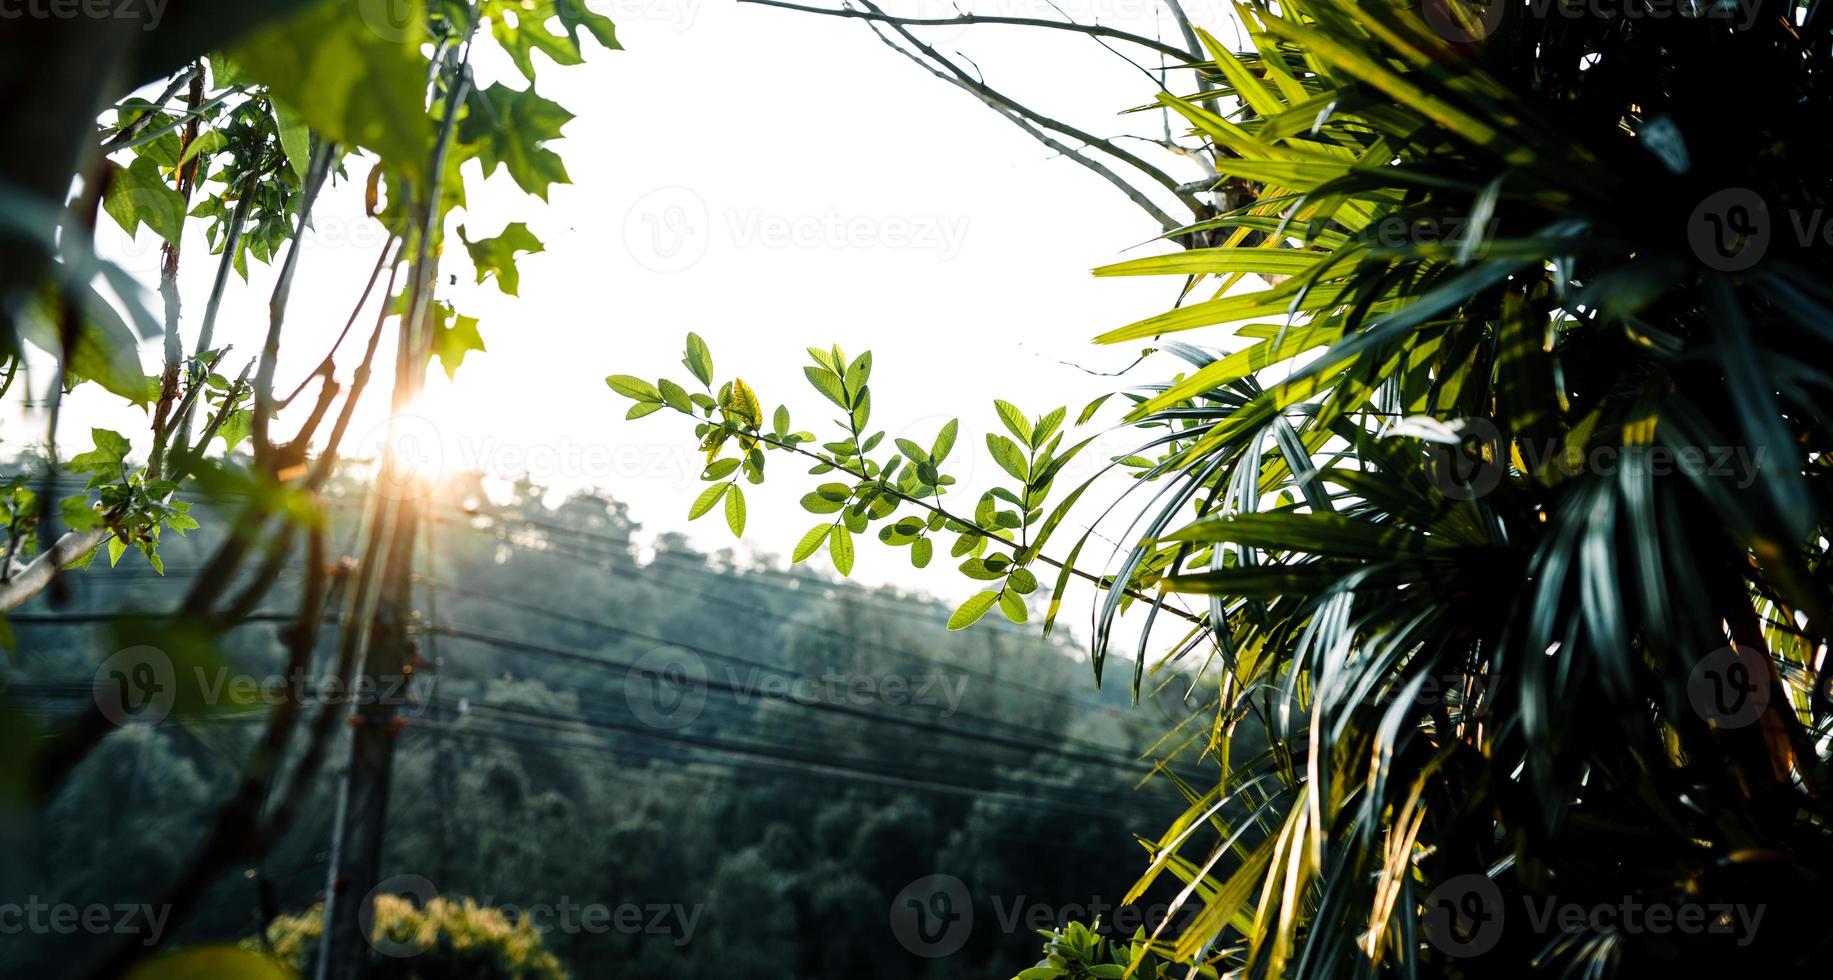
(232,240)
(322,156)
(325,366)
(171,127)
(132,129)
(1089,29)
(991,95)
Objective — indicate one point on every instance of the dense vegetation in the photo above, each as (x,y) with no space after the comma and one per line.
(1490,551)
(783,814)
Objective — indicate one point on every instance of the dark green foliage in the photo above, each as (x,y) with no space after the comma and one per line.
(786,864)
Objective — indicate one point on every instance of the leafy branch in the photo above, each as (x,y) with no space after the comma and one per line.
(1000,544)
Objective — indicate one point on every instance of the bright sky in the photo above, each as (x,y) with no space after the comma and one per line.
(771,180)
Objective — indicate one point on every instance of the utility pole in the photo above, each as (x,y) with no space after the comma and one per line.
(362,804)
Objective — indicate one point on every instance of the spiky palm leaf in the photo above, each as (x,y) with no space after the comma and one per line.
(1440,505)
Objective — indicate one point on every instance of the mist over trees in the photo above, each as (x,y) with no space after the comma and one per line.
(844,746)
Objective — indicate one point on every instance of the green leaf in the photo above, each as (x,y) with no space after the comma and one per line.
(1015,420)
(1007,454)
(840,546)
(911,450)
(811,542)
(735,511)
(675,395)
(497,256)
(208,143)
(1047,425)
(631,386)
(945,441)
(858,372)
(1022,581)
(105,352)
(111,449)
(139,194)
(862,409)
(352,83)
(1320,534)
(827,383)
(237,426)
(116,548)
(699,360)
(707,499)
(1013,606)
(508,128)
(210,963)
(295,138)
(719,469)
(921,550)
(151,550)
(970,611)
(520,27)
(454,335)
(79,513)
(574,16)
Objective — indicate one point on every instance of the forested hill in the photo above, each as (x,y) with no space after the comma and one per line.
(758,759)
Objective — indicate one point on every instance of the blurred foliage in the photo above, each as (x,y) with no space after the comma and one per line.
(451,940)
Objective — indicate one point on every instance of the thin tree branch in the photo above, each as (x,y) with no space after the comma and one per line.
(33,578)
(881,16)
(1133,194)
(140,122)
(987,93)
(323,153)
